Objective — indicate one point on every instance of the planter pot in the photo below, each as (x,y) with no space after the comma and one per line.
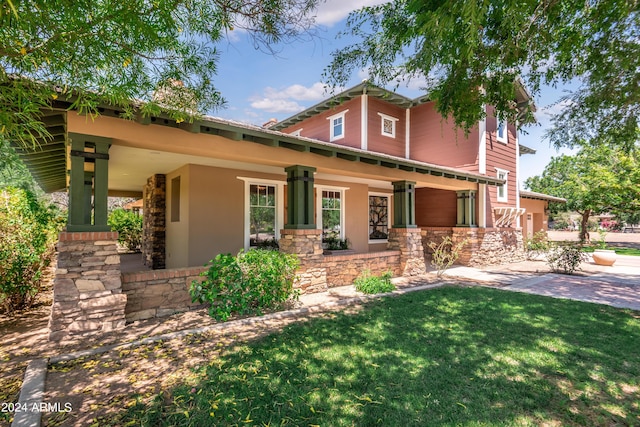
(604,256)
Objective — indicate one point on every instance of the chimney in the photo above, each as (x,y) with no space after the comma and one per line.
(270,123)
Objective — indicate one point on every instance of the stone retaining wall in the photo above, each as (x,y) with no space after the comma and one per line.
(159,293)
(342,270)
(87,291)
(433,234)
(489,246)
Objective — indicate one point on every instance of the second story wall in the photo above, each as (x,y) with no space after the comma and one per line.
(392,138)
(502,159)
(436,140)
(319,126)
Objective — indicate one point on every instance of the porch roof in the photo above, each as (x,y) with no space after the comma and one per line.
(48,162)
(540,196)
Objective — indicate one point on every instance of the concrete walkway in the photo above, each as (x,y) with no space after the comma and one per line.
(618,285)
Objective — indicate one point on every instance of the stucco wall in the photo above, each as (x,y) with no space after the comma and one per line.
(535,208)
(177,237)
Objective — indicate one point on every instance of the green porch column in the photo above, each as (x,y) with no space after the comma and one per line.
(300,197)
(88,149)
(404,204)
(466,208)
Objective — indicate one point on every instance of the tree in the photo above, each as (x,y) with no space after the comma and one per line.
(471,52)
(597,179)
(90,52)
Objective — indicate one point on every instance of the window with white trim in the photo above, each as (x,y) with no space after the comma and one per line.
(262,214)
(502,131)
(378,217)
(332,214)
(337,126)
(502,189)
(296,132)
(388,125)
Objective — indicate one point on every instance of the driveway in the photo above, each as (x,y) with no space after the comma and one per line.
(618,285)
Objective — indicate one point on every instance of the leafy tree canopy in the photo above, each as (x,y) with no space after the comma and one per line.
(596,180)
(113,51)
(472,51)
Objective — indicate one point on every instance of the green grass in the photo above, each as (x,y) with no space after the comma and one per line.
(451,356)
(619,251)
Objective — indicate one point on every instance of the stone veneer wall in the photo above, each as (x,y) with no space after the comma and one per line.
(154,226)
(433,234)
(409,242)
(87,289)
(307,245)
(342,270)
(165,292)
(489,246)
(159,293)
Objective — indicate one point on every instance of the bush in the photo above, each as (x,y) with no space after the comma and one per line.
(445,254)
(538,244)
(566,259)
(28,232)
(369,284)
(248,283)
(128,224)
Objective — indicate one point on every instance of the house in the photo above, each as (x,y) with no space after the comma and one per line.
(384,171)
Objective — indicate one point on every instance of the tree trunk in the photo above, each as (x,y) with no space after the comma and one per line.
(584,227)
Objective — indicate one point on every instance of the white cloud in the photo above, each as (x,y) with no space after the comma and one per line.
(277,105)
(546,113)
(286,100)
(332,11)
(298,92)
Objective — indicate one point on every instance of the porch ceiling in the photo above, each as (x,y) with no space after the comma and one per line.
(47,159)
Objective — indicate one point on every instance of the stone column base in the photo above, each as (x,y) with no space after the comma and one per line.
(409,242)
(489,246)
(307,245)
(87,287)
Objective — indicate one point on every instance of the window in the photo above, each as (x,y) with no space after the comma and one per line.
(296,133)
(502,131)
(378,218)
(262,214)
(331,221)
(175,199)
(388,125)
(337,122)
(502,190)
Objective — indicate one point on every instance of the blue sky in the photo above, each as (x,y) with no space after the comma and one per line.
(259,86)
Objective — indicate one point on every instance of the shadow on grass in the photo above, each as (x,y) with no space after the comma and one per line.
(452,356)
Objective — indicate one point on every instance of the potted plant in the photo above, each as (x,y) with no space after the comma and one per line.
(601,255)
(333,245)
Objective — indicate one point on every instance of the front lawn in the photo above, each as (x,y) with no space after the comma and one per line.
(619,250)
(451,356)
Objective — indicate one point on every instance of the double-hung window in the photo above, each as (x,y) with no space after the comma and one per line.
(502,190)
(262,214)
(337,126)
(502,131)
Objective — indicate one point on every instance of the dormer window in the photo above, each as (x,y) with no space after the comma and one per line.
(502,131)
(296,132)
(388,125)
(337,126)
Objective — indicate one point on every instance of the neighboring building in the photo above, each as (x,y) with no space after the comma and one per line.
(536,215)
(368,165)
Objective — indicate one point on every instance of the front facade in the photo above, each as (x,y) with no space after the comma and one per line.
(384,172)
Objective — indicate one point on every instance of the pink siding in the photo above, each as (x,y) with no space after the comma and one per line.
(435,140)
(436,208)
(318,127)
(376,140)
(501,156)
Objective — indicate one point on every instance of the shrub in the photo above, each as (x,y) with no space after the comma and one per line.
(445,254)
(566,259)
(334,243)
(28,231)
(248,283)
(370,284)
(538,244)
(128,224)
